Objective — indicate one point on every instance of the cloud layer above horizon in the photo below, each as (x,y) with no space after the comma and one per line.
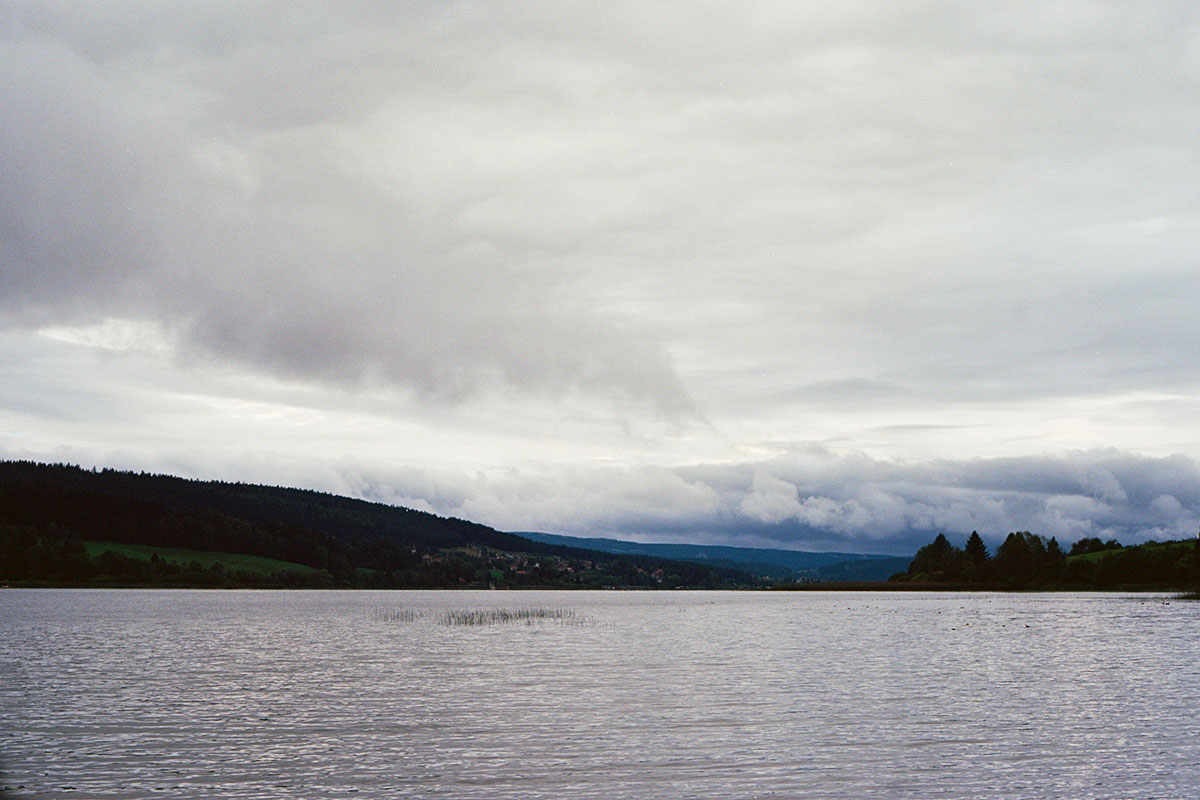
(620,264)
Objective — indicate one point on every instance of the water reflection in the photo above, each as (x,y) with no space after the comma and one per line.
(114,694)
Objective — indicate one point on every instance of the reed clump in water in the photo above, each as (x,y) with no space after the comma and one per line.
(398,615)
(505,616)
(477,617)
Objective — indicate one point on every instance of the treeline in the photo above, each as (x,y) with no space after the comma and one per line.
(48,511)
(1028,561)
(291,524)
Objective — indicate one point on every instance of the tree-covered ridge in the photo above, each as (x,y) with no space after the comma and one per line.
(49,512)
(1026,560)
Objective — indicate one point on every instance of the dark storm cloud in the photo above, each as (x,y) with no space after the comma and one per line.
(813,499)
(1094,493)
(816,499)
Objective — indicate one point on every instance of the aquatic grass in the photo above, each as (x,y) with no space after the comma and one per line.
(398,615)
(474,617)
(479,617)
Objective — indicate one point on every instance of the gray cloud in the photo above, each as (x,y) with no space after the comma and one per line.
(450,197)
(811,499)
(142,180)
(1096,493)
(815,500)
(914,230)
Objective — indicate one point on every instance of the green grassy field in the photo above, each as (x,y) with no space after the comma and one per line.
(231,561)
(1182,547)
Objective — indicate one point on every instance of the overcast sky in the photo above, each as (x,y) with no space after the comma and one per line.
(810,275)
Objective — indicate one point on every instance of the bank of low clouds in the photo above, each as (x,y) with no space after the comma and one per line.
(812,499)
(817,499)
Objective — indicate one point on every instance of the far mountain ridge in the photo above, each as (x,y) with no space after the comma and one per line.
(776,563)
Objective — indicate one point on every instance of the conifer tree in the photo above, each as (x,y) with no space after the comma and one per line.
(976,550)
(976,566)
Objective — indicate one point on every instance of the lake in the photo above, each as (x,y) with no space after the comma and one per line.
(261,694)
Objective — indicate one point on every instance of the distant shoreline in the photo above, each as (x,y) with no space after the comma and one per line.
(853,586)
(907,586)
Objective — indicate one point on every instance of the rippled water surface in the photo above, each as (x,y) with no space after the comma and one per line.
(211,694)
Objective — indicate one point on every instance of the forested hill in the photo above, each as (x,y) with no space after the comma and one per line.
(48,513)
(1028,561)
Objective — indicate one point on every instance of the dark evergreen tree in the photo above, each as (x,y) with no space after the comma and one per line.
(1014,562)
(1054,564)
(976,551)
(1195,565)
(937,561)
(977,566)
